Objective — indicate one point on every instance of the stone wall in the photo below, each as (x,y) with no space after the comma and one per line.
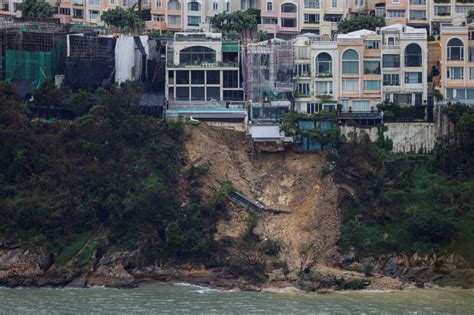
(406,137)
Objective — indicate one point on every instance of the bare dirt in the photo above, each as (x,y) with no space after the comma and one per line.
(307,225)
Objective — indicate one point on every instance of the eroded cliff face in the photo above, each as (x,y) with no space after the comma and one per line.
(301,215)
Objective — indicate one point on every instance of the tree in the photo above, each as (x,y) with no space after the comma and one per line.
(47,95)
(359,22)
(122,20)
(262,36)
(36,9)
(235,25)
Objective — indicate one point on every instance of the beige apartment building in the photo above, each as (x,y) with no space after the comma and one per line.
(427,13)
(291,17)
(457,62)
(10,7)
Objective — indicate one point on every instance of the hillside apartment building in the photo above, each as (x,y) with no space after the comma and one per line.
(361,69)
(457,62)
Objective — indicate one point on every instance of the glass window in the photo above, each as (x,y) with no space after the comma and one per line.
(182,94)
(323,63)
(231,79)
(288,8)
(413,56)
(311,4)
(233,95)
(455,73)
(196,55)
(269,6)
(391,61)
(213,93)
(372,44)
(197,77)
(323,87)
(194,6)
(350,62)
(194,20)
(372,85)
(288,22)
(182,77)
(455,49)
(413,77)
(471,73)
(361,105)
(391,79)
(371,67)
(303,89)
(197,94)
(350,85)
(213,77)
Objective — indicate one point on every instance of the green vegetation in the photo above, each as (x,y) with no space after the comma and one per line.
(123,20)
(112,168)
(36,9)
(410,203)
(238,25)
(359,22)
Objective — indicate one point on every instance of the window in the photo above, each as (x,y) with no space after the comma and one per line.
(350,85)
(213,77)
(455,49)
(288,22)
(197,94)
(402,99)
(442,10)
(65,11)
(303,89)
(197,77)
(112,2)
(391,79)
(94,2)
(215,6)
(311,4)
(371,67)
(174,5)
(194,6)
(77,13)
(311,18)
(417,15)
(413,77)
(372,85)
(182,77)
(182,94)
(391,61)
(312,108)
(455,73)
(213,93)
(471,73)
(158,4)
(334,3)
(78,2)
(372,44)
(288,8)
(196,55)
(350,62)
(227,6)
(345,105)
(302,52)
(233,95)
(269,6)
(231,79)
(395,13)
(158,18)
(418,2)
(94,14)
(273,21)
(323,63)
(194,20)
(413,56)
(323,87)
(302,70)
(361,106)
(174,19)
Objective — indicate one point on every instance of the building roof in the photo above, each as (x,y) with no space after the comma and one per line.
(356,34)
(404,29)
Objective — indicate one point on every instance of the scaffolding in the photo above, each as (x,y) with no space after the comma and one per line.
(32,51)
(268,73)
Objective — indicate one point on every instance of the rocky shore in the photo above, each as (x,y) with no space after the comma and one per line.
(127,269)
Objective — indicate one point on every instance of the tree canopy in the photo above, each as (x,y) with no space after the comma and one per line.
(359,22)
(236,25)
(36,9)
(122,20)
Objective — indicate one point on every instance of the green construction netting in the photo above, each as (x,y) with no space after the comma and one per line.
(36,66)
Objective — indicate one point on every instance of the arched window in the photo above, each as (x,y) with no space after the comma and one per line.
(196,55)
(455,49)
(269,6)
(323,63)
(288,8)
(413,57)
(194,6)
(350,62)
